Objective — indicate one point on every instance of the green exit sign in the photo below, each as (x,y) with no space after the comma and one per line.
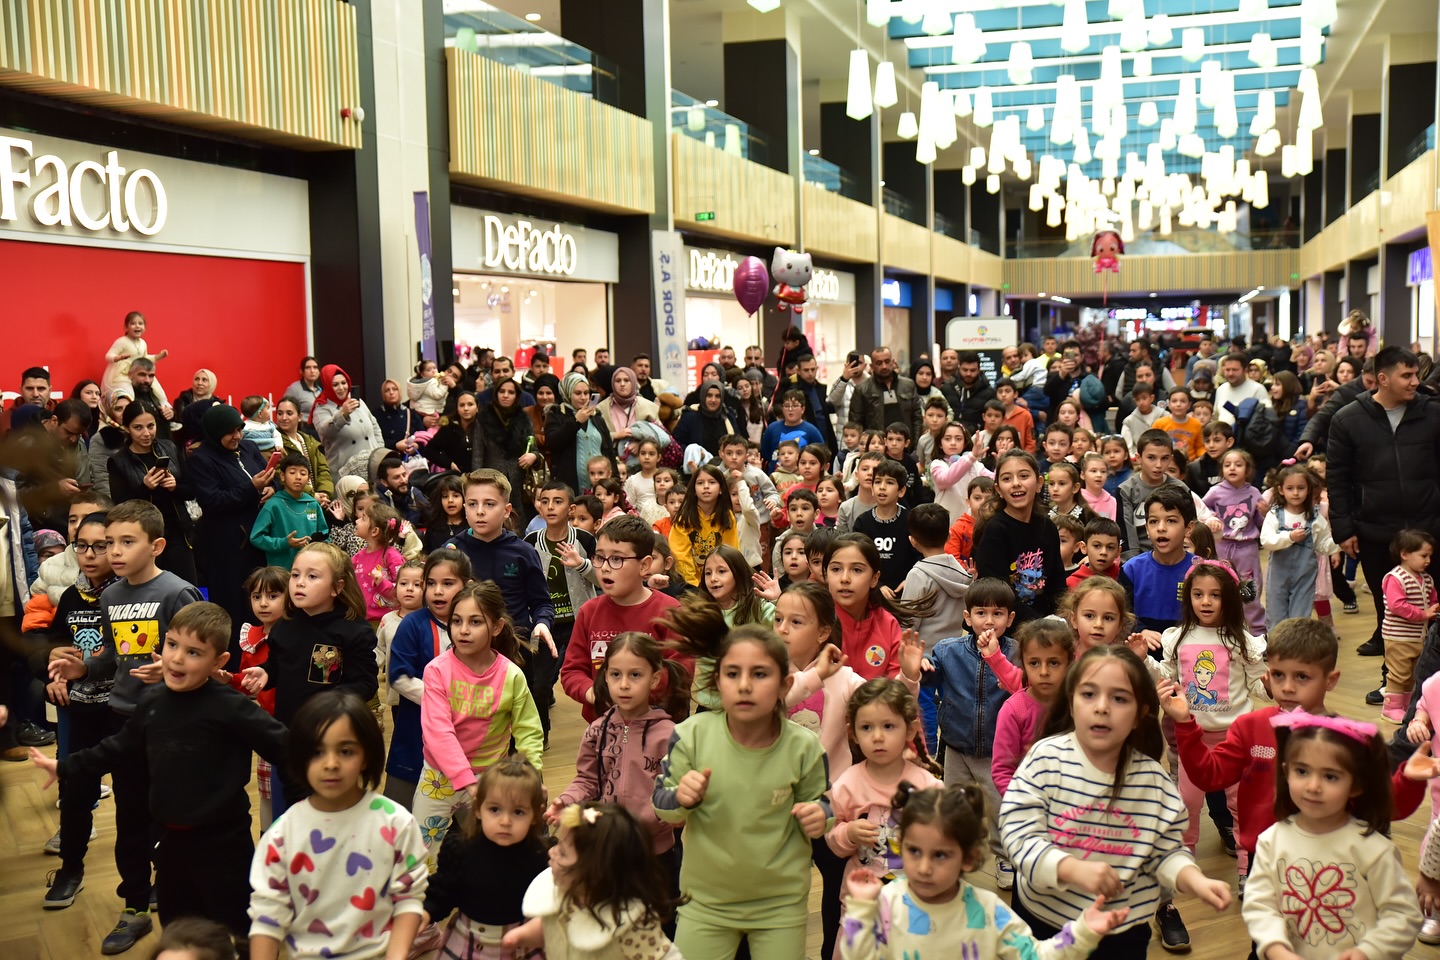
(1294,276)
(706,215)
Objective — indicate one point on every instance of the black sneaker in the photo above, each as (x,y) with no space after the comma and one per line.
(1352,607)
(64,887)
(1227,840)
(33,735)
(1375,697)
(1371,648)
(129,928)
(1173,935)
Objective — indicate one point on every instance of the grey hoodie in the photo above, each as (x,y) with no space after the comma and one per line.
(942,575)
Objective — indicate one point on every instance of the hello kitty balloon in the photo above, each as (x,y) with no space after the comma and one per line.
(791,272)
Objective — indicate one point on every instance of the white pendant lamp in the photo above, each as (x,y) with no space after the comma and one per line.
(1287,161)
(1312,45)
(908,127)
(1304,152)
(1053,209)
(1192,44)
(1165,221)
(1035,118)
(877,12)
(1264,113)
(1037,198)
(1143,64)
(885,92)
(1191,146)
(1309,81)
(1260,192)
(1160,32)
(1262,51)
(1227,116)
(936,21)
(992,184)
(1021,66)
(997,149)
(929,114)
(1120,9)
(1167,133)
(1254,9)
(1074,27)
(925,149)
(962,104)
(1023,168)
(1209,83)
(984,112)
(732,139)
(967,175)
(1185,109)
(1134,34)
(1319,13)
(1067,116)
(969,43)
(977,157)
(695,118)
(947,132)
(1082,153)
(764,6)
(1149,114)
(858,104)
(1310,118)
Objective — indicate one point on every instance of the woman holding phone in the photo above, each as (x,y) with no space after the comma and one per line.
(149,468)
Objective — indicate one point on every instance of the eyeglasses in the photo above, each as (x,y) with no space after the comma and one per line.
(613,562)
(94,549)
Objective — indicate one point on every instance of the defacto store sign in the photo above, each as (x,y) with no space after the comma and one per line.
(522,246)
(486,241)
(54,191)
(711,271)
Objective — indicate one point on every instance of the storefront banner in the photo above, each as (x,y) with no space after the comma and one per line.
(987,336)
(428,346)
(485,241)
(668,267)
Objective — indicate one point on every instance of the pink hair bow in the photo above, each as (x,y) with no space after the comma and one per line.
(1288,463)
(1299,719)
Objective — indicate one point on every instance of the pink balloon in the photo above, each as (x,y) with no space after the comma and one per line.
(752,283)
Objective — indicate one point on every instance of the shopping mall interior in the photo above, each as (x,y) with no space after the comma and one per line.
(377,181)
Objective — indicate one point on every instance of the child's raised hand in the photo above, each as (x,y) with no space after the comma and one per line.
(1094,877)
(1172,700)
(863,833)
(1143,642)
(658,581)
(254,680)
(1102,921)
(569,556)
(987,643)
(1420,765)
(912,654)
(690,791)
(296,542)
(862,884)
(552,812)
(811,817)
(50,765)
(766,586)
(1418,731)
(152,672)
(830,661)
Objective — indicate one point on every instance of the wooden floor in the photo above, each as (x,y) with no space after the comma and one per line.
(28,817)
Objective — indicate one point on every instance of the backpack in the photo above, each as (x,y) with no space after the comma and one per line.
(1257,429)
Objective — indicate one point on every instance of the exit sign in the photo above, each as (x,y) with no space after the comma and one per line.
(706,215)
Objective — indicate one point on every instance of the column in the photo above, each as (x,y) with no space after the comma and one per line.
(985,217)
(635,36)
(1333,300)
(1312,205)
(854,145)
(1394,318)
(1335,167)
(1357,286)
(1408,93)
(951,201)
(1365,145)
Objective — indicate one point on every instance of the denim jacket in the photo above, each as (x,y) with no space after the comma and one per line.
(970,695)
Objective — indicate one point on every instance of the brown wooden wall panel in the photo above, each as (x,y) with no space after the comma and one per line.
(1406,197)
(272,70)
(839,227)
(906,245)
(522,134)
(750,201)
(986,269)
(950,258)
(1199,272)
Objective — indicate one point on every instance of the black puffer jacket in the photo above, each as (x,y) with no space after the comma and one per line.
(1382,481)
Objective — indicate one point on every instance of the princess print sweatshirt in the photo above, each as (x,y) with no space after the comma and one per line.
(467,719)
(1219,685)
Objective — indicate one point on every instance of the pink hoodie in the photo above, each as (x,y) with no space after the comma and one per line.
(951,479)
(821,708)
(618,763)
(467,719)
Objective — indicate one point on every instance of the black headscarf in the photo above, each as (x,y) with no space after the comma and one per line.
(219,422)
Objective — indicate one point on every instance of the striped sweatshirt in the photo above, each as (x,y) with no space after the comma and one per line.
(1058,805)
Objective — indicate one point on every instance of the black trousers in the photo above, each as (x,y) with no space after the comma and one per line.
(832,877)
(541,670)
(205,872)
(134,830)
(1375,563)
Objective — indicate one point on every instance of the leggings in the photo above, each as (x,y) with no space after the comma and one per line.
(705,940)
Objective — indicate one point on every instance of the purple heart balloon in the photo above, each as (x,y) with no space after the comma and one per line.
(752,283)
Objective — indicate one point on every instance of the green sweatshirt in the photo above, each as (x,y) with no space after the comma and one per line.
(746,862)
(282,514)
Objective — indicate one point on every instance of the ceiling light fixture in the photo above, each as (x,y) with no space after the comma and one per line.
(764,6)
(1021,65)
(858,104)
(532,17)
(908,127)
(1074,27)
(885,92)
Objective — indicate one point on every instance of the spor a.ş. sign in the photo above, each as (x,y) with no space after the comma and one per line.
(57,193)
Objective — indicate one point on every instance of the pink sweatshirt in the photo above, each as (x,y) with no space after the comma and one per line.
(821,709)
(951,479)
(1103,503)
(467,719)
(1011,677)
(618,763)
(388,561)
(858,796)
(1016,727)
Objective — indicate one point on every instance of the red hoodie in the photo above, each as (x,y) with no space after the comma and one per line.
(599,621)
(1085,573)
(1247,756)
(872,644)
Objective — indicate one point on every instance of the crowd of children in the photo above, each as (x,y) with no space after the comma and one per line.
(888,668)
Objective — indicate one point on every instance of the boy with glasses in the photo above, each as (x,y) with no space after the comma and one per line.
(623,558)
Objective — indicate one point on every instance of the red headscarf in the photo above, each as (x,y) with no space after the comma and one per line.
(327,388)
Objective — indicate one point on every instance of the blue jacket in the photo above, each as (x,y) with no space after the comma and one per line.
(416,642)
(805,432)
(515,567)
(970,695)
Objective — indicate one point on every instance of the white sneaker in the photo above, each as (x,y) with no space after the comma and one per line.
(52,846)
(1004,874)
(1430,930)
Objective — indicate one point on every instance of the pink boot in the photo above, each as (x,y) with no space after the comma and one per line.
(1395,707)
